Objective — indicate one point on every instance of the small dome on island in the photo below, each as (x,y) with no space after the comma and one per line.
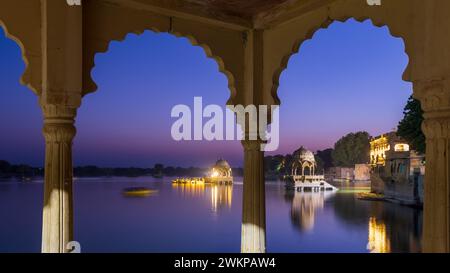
(221,169)
(221,163)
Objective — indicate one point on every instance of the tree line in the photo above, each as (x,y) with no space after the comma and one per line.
(354,148)
(349,150)
(8,170)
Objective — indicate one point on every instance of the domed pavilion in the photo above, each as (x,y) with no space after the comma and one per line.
(303,173)
(304,161)
(220,173)
(222,168)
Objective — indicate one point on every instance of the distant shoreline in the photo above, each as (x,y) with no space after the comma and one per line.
(26,172)
(94,178)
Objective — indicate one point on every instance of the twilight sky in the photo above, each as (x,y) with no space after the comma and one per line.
(346,79)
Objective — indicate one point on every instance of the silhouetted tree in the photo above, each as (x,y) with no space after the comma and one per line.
(273,166)
(352,149)
(23,170)
(319,165)
(410,127)
(324,159)
(286,164)
(158,170)
(5,167)
(273,163)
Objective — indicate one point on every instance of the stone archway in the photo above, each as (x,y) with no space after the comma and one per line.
(206,49)
(60,42)
(428,70)
(114,23)
(28,44)
(306,26)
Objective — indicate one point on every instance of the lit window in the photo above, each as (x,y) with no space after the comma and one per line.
(401,147)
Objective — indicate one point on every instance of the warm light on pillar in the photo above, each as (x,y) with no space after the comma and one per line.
(254,203)
(57,225)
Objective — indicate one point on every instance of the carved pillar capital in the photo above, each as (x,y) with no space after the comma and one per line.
(434,96)
(59,113)
(252,145)
(435,128)
(59,123)
(59,131)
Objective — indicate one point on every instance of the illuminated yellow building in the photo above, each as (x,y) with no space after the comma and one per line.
(397,171)
(380,146)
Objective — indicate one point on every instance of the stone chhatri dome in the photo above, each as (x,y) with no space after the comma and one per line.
(303,154)
(221,163)
(222,168)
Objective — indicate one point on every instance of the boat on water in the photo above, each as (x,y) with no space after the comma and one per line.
(138,192)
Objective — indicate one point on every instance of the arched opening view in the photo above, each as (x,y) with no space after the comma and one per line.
(156,193)
(342,100)
(224,126)
(21,155)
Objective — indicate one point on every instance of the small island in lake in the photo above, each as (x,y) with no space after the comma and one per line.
(220,173)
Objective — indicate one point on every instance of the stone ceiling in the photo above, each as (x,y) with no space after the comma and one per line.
(240,8)
(241,12)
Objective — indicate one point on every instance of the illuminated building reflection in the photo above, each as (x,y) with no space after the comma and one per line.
(190,189)
(304,207)
(390,228)
(378,239)
(221,195)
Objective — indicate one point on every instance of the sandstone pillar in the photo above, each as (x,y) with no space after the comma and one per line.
(435,99)
(254,203)
(62,85)
(59,131)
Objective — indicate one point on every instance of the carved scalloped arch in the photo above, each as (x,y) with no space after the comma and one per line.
(310,35)
(220,64)
(23,79)
(91,86)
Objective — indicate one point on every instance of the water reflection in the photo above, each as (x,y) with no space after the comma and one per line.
(221,195)
(378,240)
(190,189)
(304,207)
(390,227)
(203,218)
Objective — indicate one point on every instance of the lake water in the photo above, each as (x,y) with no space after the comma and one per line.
(207,219)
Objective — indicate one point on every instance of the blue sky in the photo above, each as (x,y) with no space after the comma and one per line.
(346,79)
